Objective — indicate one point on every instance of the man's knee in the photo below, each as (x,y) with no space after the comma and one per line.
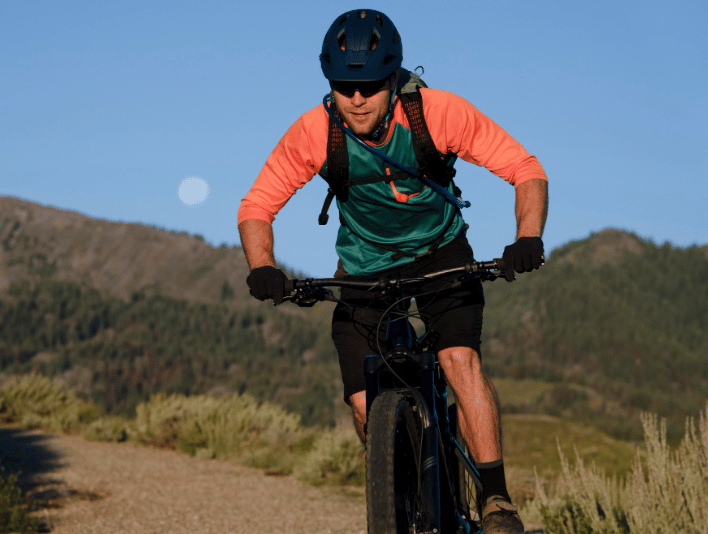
(460,360)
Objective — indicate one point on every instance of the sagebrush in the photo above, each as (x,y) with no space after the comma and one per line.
(235,427)
(35,401)
(665,493)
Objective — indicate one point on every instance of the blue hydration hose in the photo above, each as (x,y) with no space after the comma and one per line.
(457,202)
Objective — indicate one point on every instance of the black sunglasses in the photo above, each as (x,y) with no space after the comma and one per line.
(366,89)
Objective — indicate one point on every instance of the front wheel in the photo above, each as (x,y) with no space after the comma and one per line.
(393,499)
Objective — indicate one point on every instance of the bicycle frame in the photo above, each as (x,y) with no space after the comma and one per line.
(428,393)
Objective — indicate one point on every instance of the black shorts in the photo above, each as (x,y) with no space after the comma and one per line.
(453,317)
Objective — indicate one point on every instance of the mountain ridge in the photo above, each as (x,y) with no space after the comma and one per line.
(117,258)
(120,257)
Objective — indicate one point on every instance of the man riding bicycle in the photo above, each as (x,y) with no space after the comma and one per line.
(391,222)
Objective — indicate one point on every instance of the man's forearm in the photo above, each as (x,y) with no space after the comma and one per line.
(531,208)
(257,242)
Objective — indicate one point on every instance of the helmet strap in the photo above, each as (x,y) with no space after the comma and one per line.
(333,105)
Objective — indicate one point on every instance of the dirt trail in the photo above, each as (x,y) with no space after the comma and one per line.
(99,488)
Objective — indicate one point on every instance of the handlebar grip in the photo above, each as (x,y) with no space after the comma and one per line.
(500,263)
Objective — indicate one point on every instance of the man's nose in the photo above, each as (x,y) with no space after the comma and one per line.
(358,99)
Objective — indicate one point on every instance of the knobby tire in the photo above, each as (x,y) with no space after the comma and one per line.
(392,461)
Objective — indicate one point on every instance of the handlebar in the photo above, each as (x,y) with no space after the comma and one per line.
(485,270)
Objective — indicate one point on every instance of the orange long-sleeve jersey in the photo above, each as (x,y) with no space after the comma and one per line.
(455,125)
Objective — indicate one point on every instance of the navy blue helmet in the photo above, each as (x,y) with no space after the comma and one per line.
(361,45)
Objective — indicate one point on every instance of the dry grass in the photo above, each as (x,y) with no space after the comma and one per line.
(665,493)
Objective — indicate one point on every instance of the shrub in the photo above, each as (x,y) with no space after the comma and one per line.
(14,515)
(337,457)
(666,492)
(110,429)
(226,427)
(670,494)
(35,401)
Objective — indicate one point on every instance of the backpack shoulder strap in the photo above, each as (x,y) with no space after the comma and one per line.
(337,169)
(337,161)
(432,163)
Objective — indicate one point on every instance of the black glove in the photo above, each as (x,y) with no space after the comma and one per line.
(523,256)
(267,282)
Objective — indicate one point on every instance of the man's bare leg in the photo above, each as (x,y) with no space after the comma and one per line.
(478,405)
(477,402)
(358,404)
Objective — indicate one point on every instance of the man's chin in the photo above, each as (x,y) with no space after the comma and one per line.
(360,129)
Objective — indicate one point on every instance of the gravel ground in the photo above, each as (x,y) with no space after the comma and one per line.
(87,487)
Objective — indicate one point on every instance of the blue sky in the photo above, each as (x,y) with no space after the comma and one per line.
(107,107)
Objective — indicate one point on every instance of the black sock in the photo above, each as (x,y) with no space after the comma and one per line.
(493,480)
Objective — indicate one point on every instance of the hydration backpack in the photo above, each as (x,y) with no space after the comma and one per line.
(431,163)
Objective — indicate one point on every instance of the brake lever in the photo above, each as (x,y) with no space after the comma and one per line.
(308,297)
(478,275)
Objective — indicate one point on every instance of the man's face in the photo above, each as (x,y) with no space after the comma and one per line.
(363,105)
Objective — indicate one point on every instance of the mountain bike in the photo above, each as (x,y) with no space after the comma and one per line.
(419,476)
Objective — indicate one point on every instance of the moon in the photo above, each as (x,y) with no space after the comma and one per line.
(193,190)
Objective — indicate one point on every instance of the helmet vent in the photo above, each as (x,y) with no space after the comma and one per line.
(342,40)
(379,20)
(375,38)
(343,19)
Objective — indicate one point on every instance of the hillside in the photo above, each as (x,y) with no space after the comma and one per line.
(611,325)
(115,258)
(122,311)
